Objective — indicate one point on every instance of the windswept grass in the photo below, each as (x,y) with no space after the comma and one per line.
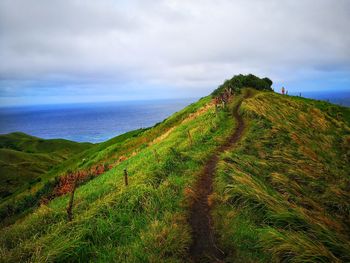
(282,194)
(109,153)
(143,222)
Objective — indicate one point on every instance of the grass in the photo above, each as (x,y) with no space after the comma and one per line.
(24,159)
(110,153)
(282,194)
(144,222)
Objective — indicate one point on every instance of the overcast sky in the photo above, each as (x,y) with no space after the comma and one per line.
(62,51)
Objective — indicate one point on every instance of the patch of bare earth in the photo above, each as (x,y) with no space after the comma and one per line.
(204,248)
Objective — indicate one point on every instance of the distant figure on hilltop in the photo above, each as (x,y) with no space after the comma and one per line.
(283,90)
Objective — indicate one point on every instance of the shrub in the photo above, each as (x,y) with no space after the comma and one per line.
(236,83)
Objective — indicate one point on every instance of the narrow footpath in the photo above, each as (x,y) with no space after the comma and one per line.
(204,248)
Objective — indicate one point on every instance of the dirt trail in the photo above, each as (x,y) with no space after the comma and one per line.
(203,248)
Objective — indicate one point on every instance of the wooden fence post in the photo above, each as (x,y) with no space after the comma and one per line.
(126,177)
(70,204)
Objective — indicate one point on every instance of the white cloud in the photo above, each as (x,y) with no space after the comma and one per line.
(178,45)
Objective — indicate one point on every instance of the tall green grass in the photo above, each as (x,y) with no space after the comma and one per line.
(143,222)
(282,194)
(109,153)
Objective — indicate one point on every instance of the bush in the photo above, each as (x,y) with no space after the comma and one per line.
(236,83)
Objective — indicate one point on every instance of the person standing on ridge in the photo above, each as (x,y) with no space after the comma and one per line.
(283,90)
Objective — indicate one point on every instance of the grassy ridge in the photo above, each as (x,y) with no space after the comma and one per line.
(24,158)
(283,193)
(144,222)
(110,152)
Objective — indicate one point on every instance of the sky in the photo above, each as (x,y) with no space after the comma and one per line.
(67,51)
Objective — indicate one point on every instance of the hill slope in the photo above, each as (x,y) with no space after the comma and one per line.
(141,222)
(24,158)
(280,192)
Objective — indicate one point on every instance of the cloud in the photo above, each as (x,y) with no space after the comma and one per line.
(168,47)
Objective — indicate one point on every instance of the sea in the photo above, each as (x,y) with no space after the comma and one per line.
(87,122)
(98,122)
(340,97)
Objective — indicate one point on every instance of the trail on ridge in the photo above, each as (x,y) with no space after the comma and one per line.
(203,246)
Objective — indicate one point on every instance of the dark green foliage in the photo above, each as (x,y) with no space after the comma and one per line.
(236,83)
(28,200)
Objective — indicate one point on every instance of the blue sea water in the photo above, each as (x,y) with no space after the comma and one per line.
(340,97)
(95,122)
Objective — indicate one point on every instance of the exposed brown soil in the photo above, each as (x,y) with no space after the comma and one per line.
(204,248)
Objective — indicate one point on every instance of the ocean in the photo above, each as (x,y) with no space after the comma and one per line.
(341,97)
(93,122)
(97,122)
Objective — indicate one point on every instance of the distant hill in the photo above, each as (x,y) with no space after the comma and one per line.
(264,178)
(24,158)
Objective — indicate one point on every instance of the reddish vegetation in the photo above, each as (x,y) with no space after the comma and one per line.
(66,182)
(222,99)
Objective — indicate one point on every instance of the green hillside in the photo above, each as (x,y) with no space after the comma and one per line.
(282,194)
(276,168)
(24,159)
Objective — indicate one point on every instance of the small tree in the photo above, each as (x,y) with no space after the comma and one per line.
(236,83)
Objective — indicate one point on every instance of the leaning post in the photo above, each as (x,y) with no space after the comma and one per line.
(126,177)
